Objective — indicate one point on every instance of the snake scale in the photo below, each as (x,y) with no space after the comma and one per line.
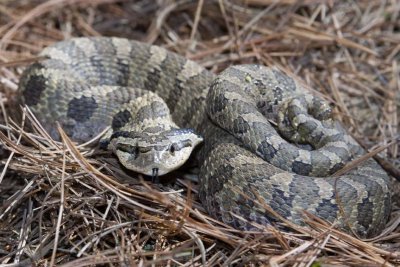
(264,138)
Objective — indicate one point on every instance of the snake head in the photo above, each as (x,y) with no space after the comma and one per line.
(149,153)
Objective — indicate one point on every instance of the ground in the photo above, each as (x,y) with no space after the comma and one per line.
(61,204)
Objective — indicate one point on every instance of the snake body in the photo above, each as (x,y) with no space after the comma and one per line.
(267,140)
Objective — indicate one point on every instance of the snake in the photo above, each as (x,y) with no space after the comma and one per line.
(261,138)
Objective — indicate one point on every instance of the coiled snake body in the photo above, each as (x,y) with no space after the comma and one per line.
(160,106)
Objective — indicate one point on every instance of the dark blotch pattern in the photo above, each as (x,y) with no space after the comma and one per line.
(337,167)
(82,109)
(282,201)
(325,208)
(152,80)
(266,150)
(240,126)
(366,217)
(175,66)
(123,70)
(301,168)
(218,102)
(34,87)
(121,119)
(103,144)
(154,110)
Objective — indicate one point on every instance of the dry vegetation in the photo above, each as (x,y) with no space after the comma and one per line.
(62,204)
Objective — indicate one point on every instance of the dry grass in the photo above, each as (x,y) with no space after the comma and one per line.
(62,204)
